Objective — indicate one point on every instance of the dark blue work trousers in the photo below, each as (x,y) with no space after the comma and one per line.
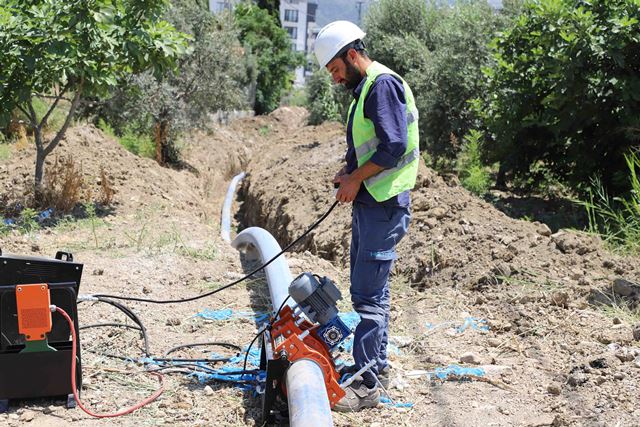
(375,231)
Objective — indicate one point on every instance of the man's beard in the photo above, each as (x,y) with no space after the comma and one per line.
(352,76)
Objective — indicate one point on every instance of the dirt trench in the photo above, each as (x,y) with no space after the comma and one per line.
(473,288)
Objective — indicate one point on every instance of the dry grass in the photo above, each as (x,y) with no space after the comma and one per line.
(106,189)
(64,185)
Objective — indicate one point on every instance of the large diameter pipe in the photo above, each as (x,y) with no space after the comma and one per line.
(306,392)
(308,406)
(258,244)
(225,223)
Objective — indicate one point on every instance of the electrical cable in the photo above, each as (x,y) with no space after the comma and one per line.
(221,344)
(115,325)
(130,314)
(246,355)
(74,388)
(235,282)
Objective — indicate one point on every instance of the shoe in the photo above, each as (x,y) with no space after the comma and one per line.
(383,376)
(358,397)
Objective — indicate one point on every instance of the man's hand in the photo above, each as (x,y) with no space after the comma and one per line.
(349,187)
(343,171)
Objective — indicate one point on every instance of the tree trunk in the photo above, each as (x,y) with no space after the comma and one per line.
(161,130)
(39,174)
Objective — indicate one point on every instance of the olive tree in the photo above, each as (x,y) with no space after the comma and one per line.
(65,50)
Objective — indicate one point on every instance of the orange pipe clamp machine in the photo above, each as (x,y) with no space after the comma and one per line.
(310,330)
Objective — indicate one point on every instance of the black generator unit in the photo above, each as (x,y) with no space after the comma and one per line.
(30,374)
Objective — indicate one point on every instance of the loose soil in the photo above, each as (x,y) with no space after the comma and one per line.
(542,313)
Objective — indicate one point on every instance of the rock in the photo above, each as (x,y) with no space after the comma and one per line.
(438,212)
(542,229)
(576,379)
(617,321)
(27,416)
(636,332)
(636,362)
(626,288)
(146,290)
(470,358)
(173,321)
(493,342)
(554,389)
(14,417)
(49,409)
(560,299)
(618,376)
(98,272)
(208,391)
(400,341)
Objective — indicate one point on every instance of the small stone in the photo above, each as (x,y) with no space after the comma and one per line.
(636,362)
(599,380)
(470,358)
(625,288)
(173,321)
(636,332)
(576,379)
(554,389)
(49,409)
(27,416)
(617,321)
(208,391)
(14,417)
(543,229)
(146,290)
(98,272)
(560,299)
(618,376)
(493,342)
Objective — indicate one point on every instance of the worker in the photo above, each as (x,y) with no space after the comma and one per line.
(381,167)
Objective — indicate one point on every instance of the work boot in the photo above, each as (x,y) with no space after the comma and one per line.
(358,397)
(383,375)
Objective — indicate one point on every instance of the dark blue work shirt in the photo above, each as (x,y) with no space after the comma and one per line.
(385,106)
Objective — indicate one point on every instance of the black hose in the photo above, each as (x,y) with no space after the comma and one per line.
(235,282)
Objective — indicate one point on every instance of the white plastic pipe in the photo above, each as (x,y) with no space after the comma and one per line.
(306,392)
(225,223)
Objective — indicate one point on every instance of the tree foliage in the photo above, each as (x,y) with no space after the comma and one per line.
(263,36)
(440,52)
(564,94)
(66,50)
(327,101)
(212,76)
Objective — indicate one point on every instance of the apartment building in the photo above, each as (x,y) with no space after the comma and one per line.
(298,18)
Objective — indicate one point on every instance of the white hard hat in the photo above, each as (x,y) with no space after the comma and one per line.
(333,37)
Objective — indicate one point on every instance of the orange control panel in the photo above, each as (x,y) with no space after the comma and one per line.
(34,315)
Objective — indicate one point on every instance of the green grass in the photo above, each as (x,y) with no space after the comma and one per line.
(474,176)
(617,219)
(41,106)
(5,151)
(136,143)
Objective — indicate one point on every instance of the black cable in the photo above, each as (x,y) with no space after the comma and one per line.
(160,359)
(235,282)
(246,355)
(116,325)
(221,344)
(130,314)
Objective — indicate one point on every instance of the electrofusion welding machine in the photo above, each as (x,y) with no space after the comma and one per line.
(35,346)
(311,330)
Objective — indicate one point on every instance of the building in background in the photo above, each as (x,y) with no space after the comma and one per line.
(217,6)
(298,17)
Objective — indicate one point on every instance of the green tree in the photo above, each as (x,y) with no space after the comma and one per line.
(262,35)
(440,51)
(211,77)
(564,94)
(64,50)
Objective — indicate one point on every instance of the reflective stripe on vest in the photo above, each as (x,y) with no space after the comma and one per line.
(372,144)
(404,161)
